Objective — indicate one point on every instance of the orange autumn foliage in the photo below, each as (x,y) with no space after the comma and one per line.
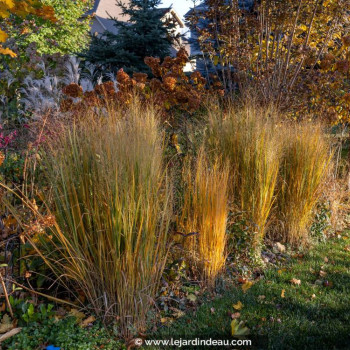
(22,9)
(170,88)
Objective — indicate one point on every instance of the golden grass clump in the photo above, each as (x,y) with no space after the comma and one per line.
(246,138)
(111,199)
(304,169)
(204,212)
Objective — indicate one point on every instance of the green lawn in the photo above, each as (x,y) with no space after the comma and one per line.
(297,321)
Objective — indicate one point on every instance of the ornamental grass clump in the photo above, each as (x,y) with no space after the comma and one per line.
(306,162)
(110,199)
(246,138)
(204,215)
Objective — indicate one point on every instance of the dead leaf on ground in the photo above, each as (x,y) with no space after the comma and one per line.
(295,281)
(86,322)
(238,306)
(6,324)
(192,297)
(242,280)
(323,273)
(177,313)
(282,293)
(247,286)
(77,314)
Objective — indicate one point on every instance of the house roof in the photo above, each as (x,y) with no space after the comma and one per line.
(106,8)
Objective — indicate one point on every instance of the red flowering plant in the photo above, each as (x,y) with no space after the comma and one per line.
(6,139)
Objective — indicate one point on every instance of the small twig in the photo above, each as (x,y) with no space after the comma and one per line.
(6,295)
(10,334)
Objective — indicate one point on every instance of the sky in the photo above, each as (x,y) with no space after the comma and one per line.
(180,6)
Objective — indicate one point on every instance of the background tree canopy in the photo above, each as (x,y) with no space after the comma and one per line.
(66,35)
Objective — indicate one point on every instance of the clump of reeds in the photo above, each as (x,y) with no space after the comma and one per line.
(110,199)
(204,214)
(304,168)
(246,138)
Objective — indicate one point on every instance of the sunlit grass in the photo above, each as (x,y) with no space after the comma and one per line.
(204,212)
(247,140)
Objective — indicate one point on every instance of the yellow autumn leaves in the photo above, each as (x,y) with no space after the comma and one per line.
(22,9)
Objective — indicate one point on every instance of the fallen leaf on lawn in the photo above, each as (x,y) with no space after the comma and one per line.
(246,286)
(86,322)
(282,293)
(280,271)
(177,313)
(6,324)
(235,315)
(347,249)
(238,328)
(313,296)
(261,297)
(242,280)
(164,319)
(2,307)
(295,281)
(238,306)
(323,273)
(326,260)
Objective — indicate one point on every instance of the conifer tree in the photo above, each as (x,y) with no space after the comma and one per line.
(144,34)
